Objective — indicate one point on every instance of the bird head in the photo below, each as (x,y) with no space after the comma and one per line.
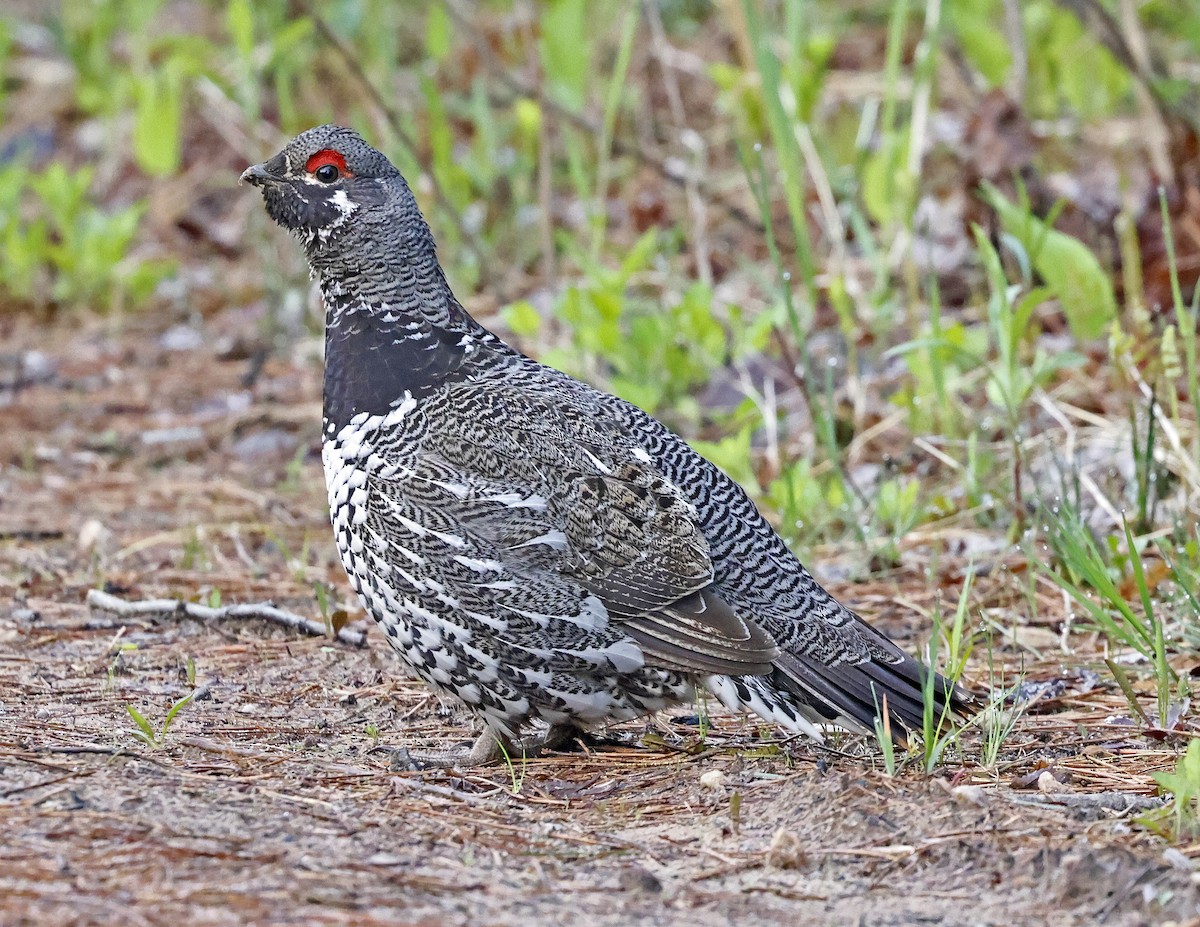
(324,178)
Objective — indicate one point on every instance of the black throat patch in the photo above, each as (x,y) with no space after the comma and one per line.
(372,359)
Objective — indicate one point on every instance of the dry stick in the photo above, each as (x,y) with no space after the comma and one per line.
(430,788)
(17,790)
(102,601)
(1014,31)
(1121,40)
(1157,123)
(82,748)
(1118,802)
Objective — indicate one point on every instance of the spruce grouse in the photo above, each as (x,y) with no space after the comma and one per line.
(540,549)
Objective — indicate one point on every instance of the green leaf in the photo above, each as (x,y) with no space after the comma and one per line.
(732,455)
(639,256)
(145,731)
(285,41)
(566,50)
(1072,273)
(985,46)
(437,32)
(521,318)
(886,182)
(1127,689)
(174,710)
(159,113)
(239,21)
(1184,782)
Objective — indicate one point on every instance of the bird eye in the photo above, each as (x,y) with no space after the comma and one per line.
(327,173)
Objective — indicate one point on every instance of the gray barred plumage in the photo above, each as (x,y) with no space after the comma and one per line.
(537,548)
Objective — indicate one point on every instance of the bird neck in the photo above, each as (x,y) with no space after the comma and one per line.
(386,341)
(402,277)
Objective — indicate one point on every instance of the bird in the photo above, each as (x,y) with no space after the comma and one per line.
(552,556)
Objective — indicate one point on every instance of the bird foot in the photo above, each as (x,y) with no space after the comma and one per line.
(560,738)
(484,752)
(489,749)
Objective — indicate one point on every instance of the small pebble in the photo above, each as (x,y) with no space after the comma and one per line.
(1048,784)
(972,794)
(638,879)
(181,338)
(1177,860)
(92,534)
(786,851)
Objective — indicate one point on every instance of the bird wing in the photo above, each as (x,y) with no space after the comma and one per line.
(578,484)
(635,542)
(832,661)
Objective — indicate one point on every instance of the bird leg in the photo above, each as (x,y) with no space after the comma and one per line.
(561,737)
(489,748)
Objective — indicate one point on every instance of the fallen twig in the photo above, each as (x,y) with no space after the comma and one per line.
(1094,802)
(102,601)
(85,748)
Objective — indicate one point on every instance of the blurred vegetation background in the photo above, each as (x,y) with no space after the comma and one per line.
(921,275)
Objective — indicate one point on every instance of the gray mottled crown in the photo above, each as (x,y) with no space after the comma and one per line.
(361,158)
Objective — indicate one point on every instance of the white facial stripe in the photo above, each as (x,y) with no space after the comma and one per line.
(345,207)
(343,204)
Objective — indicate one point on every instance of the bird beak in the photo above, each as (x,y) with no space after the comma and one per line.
(257,175)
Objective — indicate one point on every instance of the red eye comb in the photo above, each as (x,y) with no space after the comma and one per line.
(327,156)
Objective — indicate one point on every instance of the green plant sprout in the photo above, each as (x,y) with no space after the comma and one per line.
(145,731)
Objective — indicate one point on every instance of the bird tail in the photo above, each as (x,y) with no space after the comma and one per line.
(857,695)
(801,692)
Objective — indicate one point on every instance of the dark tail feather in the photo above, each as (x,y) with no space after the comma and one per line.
(854,693)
